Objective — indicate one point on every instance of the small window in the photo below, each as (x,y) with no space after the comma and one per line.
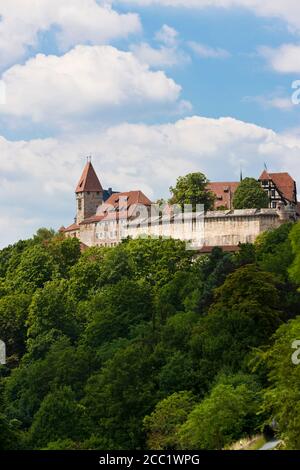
(274,205)
(79,204)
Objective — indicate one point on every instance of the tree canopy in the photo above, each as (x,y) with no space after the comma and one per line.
(192,189)
(147,346)
(250,195)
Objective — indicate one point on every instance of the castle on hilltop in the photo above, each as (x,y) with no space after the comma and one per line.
(105,217)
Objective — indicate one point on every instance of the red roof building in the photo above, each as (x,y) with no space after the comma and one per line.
(280,187)
(224,193)
(120,206)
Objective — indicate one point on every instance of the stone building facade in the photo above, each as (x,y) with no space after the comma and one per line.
(131,214)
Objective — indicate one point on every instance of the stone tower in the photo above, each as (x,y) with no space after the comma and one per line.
(89,193)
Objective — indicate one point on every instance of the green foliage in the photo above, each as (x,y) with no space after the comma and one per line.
(51,310)
(85,276)
(157,261)
(115,310)
(244,316)
(36,267)
(10,438)
(136,345)
(294,270)
(221,418)
(13,316)
(192,189)
(282,397)
(59,417)
(250,195)
(163,424)
(274,250)
(121,395)
(27,386)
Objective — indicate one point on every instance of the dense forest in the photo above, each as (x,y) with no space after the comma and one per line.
(146,346)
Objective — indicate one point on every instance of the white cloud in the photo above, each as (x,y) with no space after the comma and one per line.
(77,21)
(168,54)
(37,178)
(159,57)
(207,52)
(85,81)
(287,10)
(167,35)
(284,59)
(277,100)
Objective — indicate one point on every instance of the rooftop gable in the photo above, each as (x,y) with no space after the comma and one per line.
(284,183)
(89,180)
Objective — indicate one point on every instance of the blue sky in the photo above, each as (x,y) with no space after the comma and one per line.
(150,90)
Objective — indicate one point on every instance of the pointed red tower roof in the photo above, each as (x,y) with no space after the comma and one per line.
(89,180)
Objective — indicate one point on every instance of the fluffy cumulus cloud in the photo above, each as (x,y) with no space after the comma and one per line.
(287,10)
(284,59)
(40,175)
(75,21)
(85,81)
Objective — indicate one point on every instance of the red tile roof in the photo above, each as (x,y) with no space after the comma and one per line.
(224,192)
(112,209)
(284,183)
(72,228)
(131,197)
(89,180)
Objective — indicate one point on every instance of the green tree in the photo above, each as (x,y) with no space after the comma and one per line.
(65,252)
(85,275)
(244,315)
(115,309)
(157,261)
(274,250)
(13,315)
(35,268)
(119,397)
(10,438)
(28,385)
(43,235)
(282,397)
(250,195)
(163,424)
(59,417)
(10,256)
(221,418)
(192,189)
(294,237)
(51,310)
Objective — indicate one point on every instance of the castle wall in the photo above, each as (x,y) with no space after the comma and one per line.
(215,229)
(87,234)
(238,227)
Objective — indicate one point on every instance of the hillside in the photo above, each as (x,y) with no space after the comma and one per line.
(142,346)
